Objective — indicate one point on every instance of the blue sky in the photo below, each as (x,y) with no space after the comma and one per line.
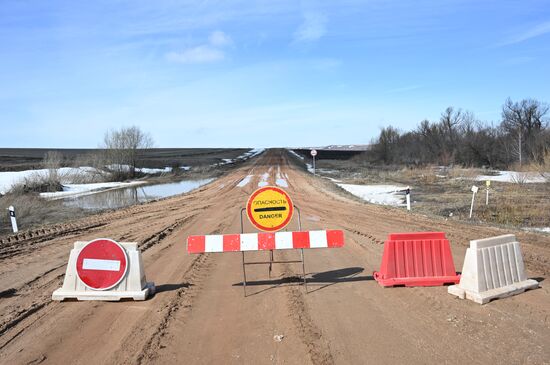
(260,73)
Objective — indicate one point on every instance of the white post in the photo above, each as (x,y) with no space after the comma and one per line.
(474,191)
(487,184)
(313,154)
(408,195)
(11,210)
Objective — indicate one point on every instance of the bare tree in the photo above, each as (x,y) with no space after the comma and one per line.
(52,162)
(386,144)
(123,147)
(525,121)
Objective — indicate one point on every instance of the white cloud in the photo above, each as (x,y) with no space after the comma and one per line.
(312,28)
(535,31)
(199,54)
(205,53)
(219,39)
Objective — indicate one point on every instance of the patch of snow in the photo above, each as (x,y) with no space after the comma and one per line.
(515,177)
(252,153)
(74,190)
(280,181)
(245,181)
(264,178)
(292,152)
(377,194)
(327,171)
(263,181)
(537,229)
(143,170)
(10,178)
(245,156)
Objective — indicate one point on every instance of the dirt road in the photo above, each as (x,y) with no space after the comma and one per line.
(200,316)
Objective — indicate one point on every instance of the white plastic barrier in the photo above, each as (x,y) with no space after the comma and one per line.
(493,268)
(133,285)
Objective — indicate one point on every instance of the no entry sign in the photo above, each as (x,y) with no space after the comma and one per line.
(269,209)
(101,264)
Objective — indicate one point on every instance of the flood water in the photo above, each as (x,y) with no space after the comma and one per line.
(120,198)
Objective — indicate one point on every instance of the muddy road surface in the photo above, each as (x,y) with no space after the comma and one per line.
(200,316)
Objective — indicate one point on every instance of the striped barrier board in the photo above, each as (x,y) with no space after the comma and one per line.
(265,241)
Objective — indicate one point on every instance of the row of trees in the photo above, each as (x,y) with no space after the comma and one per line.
(522,136)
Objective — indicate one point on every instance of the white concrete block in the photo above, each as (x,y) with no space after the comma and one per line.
(134,285)
(493,268)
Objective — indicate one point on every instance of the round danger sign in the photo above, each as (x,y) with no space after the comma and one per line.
(269,209)
(101,264)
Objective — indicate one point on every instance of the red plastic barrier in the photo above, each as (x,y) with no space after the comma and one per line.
(417,259)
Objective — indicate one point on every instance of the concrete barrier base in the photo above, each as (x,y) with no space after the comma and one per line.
(60,294)
(487,296)
(133,286)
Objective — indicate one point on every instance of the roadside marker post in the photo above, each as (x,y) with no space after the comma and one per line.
(408,195)
(474,191)
(487,185)
(313,154)
(11,211)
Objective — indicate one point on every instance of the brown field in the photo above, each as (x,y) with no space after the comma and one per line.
(16,159)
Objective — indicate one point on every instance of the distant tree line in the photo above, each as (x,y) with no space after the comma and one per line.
(522,136)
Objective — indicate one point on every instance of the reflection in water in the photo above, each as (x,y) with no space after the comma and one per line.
(119,198)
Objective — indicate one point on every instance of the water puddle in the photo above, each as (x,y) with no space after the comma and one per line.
(119,198)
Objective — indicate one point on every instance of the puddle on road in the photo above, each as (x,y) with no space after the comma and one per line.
(120,198)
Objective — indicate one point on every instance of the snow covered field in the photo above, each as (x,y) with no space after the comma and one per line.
(377,194)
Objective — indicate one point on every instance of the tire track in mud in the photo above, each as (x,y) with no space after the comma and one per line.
(181,303)
(310,334)
(41,282)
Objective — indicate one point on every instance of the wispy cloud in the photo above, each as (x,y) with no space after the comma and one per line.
(205,53)
(312,28)
(536,31)
(199,54)
(219,39)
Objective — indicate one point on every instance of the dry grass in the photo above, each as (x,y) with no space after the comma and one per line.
(32,211)
(446,192)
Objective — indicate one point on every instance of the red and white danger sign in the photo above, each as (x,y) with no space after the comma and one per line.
(101,264)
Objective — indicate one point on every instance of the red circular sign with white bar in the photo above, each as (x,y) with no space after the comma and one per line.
(101,264)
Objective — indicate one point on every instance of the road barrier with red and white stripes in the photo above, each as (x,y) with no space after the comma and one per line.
(265,241)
